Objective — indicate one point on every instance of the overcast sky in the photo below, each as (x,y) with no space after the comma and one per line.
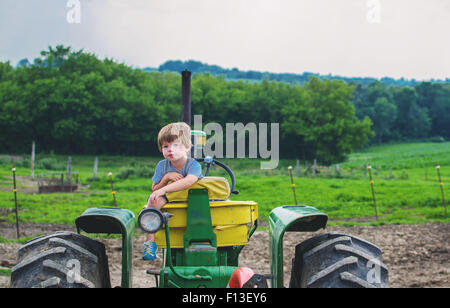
(373,38)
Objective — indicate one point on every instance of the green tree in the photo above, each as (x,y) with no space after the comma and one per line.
(53,58)
(412,121)
(383,119)
(436,99)
(376,102)
(321,120)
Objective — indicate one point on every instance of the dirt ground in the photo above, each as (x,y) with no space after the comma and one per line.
(417,256)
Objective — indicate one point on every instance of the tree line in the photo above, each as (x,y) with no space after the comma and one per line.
(235,73)
(72,102)
(405,113)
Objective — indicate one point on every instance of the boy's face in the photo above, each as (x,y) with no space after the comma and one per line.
(174,150)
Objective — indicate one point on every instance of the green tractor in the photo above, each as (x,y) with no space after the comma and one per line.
(202,233)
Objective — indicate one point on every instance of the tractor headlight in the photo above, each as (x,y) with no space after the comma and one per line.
(151,220)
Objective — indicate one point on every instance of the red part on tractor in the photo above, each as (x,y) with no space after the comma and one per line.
(239,277)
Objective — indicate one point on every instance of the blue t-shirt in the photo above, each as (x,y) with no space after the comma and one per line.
(165,166)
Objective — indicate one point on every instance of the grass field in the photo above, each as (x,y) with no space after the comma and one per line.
(410,195)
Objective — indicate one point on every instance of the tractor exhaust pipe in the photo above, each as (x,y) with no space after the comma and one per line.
(186,103)
(186,97)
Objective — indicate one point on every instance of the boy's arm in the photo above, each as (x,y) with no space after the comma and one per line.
(171,176)
(184,183)
(156,186)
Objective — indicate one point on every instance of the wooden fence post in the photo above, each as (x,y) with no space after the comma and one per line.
(112,189)
(33,150)
(15,201)
(442,189)
(95,168)
(297,168)
(373,192)
(69,169)
(292,184)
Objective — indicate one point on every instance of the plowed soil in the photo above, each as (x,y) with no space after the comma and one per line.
(417,256)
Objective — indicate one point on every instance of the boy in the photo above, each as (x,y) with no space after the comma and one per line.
(174,141)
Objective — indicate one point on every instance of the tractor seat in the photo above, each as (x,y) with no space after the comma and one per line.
(218,189)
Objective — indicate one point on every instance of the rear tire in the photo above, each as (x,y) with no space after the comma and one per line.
(61,260)
(338,260)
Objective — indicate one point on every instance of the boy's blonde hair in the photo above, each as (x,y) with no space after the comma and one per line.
(174,131)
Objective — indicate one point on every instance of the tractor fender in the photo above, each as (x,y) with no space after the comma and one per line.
(299,218)
(112,221)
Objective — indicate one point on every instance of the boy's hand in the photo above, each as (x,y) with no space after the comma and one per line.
(155,195)
(173,176)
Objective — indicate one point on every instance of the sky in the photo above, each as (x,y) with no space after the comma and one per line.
(352,38)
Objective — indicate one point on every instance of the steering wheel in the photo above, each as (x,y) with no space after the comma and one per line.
(209,161)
